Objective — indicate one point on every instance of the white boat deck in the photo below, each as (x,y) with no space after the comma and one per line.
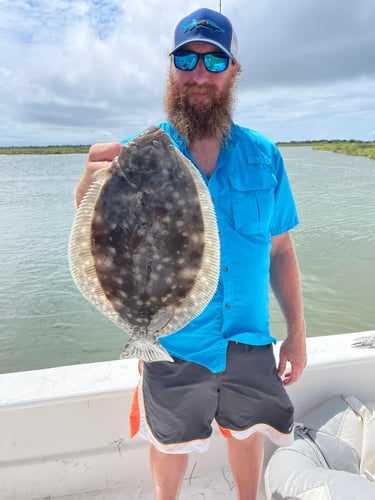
(212,486)
(64,431)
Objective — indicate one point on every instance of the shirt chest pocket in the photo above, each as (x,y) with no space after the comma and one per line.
(253,202)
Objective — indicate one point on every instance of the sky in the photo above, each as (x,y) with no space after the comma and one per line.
(86,71)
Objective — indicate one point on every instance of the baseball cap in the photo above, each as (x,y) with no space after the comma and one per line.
(206,25)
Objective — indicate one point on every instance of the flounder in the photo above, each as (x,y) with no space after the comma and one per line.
(144,246)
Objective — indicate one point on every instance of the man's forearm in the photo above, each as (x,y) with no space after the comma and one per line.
(286,285)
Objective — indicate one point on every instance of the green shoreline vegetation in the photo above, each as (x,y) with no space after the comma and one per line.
(352,147)
(44,150)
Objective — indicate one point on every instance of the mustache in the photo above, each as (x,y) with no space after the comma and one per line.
(205,89)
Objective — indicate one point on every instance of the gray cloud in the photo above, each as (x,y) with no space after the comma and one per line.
(293,42)
(88,71)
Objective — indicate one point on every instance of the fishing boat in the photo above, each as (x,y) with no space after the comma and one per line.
(64,431)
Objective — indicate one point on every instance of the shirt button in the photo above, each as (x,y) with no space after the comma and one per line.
(227,306)
(225,269)
(225,335)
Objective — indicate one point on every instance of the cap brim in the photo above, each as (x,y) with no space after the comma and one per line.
(202,40)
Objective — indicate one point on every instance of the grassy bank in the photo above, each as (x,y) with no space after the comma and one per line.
(43,150)
(354,148)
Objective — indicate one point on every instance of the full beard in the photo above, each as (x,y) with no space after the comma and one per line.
(209,119)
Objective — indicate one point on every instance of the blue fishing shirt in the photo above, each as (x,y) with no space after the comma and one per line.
(253,202)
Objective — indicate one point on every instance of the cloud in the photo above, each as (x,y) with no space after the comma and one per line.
(82,71)
(343,109)
(295,42)
(90,64)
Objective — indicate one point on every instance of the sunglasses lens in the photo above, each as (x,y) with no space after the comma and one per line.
(216,63)
(187,61)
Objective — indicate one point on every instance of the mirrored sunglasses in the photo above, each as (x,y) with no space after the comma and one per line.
(215,62)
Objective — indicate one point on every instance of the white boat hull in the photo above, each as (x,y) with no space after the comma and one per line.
(64,431)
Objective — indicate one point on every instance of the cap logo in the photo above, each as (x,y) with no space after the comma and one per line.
(203,23)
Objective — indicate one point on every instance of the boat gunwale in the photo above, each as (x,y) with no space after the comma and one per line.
(104,379)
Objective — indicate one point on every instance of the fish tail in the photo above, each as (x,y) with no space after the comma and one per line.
(145,350)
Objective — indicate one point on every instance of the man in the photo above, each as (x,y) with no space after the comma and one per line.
(224,367)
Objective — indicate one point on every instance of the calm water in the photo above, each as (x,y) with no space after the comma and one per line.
(44,321)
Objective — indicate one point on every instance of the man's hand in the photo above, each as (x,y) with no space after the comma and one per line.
(100,156)
(285,282)
(292,351)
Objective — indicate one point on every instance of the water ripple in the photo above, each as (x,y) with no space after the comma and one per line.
(44,321)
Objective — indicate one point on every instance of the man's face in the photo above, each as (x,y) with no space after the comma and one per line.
(199,102)
(200,76)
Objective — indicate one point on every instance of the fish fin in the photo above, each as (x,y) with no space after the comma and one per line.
(101,175)
(145,350)
(81,261)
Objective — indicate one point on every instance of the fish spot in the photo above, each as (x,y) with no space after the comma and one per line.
(104,263)
(98,218)
(117,303)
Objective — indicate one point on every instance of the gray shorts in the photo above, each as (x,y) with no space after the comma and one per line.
(176,403)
